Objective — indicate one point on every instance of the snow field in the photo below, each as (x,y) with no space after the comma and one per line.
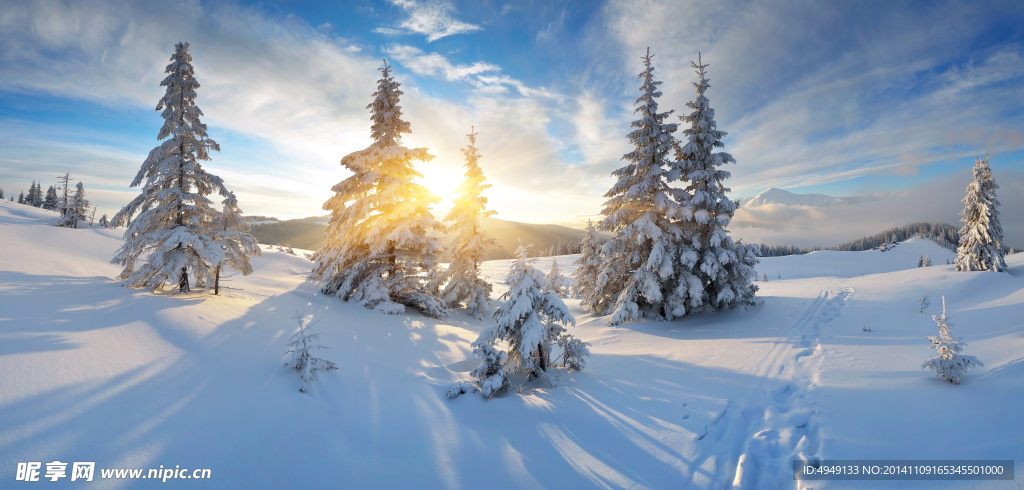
(90,371)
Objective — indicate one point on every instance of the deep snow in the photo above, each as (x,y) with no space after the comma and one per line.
(90,371)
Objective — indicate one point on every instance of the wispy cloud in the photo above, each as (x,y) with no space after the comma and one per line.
(435,65)
(433,19)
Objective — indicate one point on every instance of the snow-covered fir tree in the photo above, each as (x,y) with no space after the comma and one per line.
(78,209)
(461,281)
(300,356)
(646,269)
(104,222)
(376,250)
(1,192)
(168,224)
(724,268)
(981,238)
(230,231)
(35,195)
(588,266)
(63,181)
(556,281)
(530,319)
(764,277)
(21,197)
(51,200)
(948,364)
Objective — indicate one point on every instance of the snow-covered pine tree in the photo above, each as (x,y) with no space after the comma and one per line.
(35,195)
(104,222)
(949,364)
(231,232)
(724,268)
(588,266)
(170,232)
(376,250)
(981,238)
(62,204)
(1,192)
(300,358)
(530,319)
(556,281)
(78,209)
(646,269)
(764,277)
(920,260)
(21,198)
(51,200)
(461,280)
(926,262)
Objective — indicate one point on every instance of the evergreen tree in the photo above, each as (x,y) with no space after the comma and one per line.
(78,209)
(168,224)
(461,280)
(588,266)
(981,238)
(104,222)
(646,269)
(556,281)
(1,192)
(376,248)
(51,200)
(35,195)
(299,353)
(949,364)
(62,205)
(231,232)
(531,318)
(724,268)
(21,198)
(926,262)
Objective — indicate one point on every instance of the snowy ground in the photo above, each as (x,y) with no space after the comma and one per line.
(90,371)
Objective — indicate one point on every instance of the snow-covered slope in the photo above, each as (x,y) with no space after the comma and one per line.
(775,195)
(90,371)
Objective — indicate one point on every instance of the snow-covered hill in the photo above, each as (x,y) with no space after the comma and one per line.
(778,196)
(827,367)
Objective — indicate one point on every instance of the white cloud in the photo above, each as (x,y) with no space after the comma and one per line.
(436,65)
(433,19)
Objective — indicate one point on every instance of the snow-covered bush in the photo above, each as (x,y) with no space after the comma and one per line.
(530,320)
(949,364)
(299,356)
(490,374)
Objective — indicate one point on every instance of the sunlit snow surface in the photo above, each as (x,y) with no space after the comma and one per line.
(90,371)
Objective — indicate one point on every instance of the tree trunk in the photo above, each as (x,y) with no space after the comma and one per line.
(216,280)
(183,281)
(543,357)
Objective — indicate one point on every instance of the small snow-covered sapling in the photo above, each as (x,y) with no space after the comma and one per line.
(302,342)
(949,364)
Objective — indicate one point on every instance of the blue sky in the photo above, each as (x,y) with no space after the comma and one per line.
(832,97)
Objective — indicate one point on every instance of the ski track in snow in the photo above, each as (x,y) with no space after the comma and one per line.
(779,423)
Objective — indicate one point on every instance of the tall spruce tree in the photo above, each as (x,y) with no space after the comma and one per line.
(1,192)
(168,224)
(646,268)
(376,248)
(21,198)
(981,238)
(725,268)
(461,280)
(588,266)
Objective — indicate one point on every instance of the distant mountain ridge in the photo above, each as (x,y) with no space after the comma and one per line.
(307,233)
(774,195)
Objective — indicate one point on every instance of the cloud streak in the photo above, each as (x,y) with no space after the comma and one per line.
(433,19)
